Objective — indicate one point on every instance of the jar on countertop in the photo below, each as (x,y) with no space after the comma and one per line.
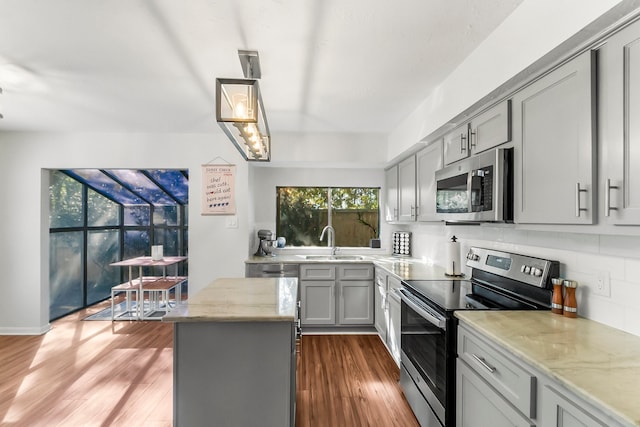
(570,306)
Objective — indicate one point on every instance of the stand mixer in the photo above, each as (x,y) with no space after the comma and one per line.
(266,243)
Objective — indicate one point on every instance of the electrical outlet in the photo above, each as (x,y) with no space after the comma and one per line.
(603,284)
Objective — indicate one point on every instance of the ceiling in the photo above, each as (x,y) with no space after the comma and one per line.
(150,66)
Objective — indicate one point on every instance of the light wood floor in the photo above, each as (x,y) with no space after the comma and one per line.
(99,373)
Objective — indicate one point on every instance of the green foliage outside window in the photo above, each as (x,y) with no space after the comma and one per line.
(304,211)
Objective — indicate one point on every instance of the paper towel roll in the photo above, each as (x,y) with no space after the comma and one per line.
(453,257)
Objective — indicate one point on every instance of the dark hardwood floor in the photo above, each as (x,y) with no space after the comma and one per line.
(99,373)
(349,380)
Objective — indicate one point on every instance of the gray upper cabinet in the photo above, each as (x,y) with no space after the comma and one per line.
(456,146)
(619,115)
(428,161)
(488,129)
(391,202)
(407,189)
(554,143)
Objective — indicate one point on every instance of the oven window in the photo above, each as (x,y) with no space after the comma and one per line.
(425,346)
(452,195)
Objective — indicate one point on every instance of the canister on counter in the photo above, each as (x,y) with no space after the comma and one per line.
(557,300)
(570,307)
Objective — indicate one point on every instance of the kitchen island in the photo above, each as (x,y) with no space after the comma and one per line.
(234,354)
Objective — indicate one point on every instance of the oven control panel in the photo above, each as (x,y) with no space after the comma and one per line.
(530,270)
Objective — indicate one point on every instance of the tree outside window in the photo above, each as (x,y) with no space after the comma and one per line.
(303,212)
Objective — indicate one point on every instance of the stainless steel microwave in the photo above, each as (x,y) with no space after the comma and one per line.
(479,188)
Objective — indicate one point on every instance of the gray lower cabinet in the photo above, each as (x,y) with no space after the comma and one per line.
(337,294)
(478,402)
(493,384)
(393,328)
(554,146)
(234,374)
(317,300)
(560,411)
(380,302)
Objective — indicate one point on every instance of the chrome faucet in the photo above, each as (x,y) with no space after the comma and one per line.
(331,240)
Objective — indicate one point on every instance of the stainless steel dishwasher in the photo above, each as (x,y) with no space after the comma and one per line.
(271,269)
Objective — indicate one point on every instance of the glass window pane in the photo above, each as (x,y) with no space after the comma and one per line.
(137,215)
(65,273)
(174,181)
(304,211)
(168,238)
(355,216)
(101,211)
(142,185)
(136,243)
(302,214)
(65,201)
(165,215)
(102,249)
(105,184)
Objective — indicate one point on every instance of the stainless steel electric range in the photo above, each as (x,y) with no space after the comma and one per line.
(499,281)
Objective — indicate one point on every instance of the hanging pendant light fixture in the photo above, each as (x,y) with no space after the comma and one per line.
(240,112)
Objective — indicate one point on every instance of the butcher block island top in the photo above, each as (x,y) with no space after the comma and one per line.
(600,363)
(241,300)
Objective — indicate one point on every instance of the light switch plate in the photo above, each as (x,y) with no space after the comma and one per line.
(232,221)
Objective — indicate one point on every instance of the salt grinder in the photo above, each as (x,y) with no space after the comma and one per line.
(556,301)
(570,304)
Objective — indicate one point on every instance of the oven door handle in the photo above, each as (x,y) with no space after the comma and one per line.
(436,320)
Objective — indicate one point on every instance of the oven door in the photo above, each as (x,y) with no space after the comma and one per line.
(423,346)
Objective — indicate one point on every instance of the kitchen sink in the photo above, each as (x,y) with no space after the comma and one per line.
(332,257)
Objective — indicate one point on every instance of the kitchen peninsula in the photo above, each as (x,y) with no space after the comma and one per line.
(234,354)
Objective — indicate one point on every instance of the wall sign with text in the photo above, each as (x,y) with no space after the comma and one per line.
(218,187)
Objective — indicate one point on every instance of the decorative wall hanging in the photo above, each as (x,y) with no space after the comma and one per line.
(218,189)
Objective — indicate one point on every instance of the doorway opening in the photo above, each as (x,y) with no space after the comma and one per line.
(101,216)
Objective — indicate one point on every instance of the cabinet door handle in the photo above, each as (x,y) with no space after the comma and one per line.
(578,191)
(395,213)
(484,363)
(607,198)
(413,211)
(463,143)
(472,136)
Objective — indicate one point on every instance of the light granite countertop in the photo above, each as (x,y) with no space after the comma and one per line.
(600,363)
(404,268)
(240,300)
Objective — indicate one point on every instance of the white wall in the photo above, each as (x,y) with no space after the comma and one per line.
(362,150)
(214,250)
(582,257)
(532,30)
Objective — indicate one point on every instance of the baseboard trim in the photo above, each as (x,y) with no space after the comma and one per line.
(25,331)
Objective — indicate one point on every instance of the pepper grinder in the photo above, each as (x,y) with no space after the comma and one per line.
(570,307)
(556,301)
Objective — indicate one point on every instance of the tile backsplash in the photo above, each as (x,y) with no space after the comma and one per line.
(582,257)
